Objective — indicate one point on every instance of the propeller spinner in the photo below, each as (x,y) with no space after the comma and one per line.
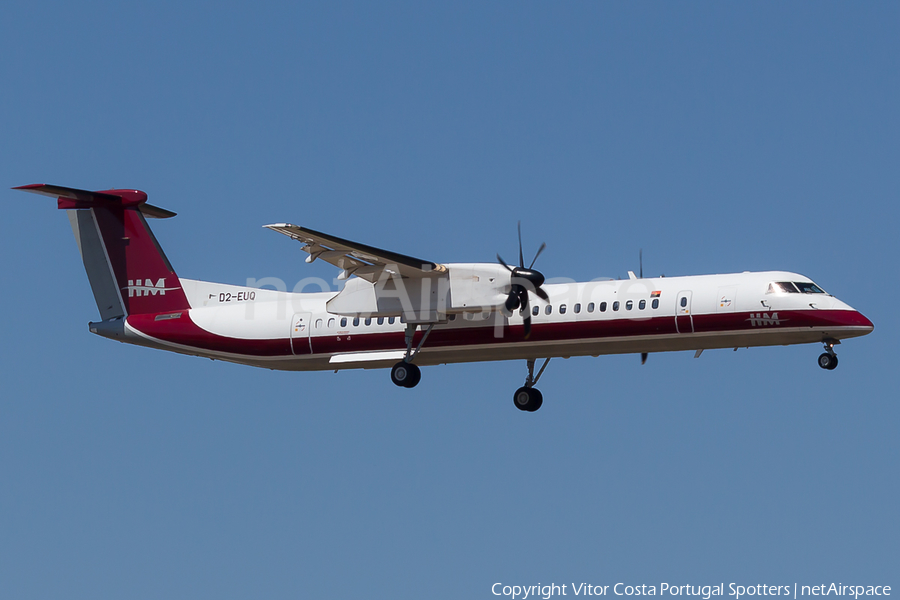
(522,281)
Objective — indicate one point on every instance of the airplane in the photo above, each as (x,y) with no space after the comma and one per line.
(400,312)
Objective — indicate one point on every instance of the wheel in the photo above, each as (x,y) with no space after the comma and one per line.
(528,399)
(415,376)
(828,361)
(405,374)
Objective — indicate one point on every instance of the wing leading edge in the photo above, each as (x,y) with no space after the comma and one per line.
(353,258)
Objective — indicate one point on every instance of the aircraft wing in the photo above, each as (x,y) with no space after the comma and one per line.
(354,258)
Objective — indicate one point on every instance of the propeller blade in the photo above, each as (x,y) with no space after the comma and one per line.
(641,261)
(521,258)
(526,308)
(643,357)
(503,262)
(512,301)
(542,294)
(541,249)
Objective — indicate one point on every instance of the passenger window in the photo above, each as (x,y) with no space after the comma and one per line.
(603,307)
(629,305)
(591,307)
(451,317)
(368,320)
(616,305)
(536,310)
(381,320)
(318,323)
(642,304)
(577,308)
(391,320)
(562,309)
(331,323)
(684,302)
(655,303)
(356,321)
(548,310)
(344,322)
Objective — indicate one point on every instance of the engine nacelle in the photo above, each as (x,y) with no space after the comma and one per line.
(477,287)
(465,287)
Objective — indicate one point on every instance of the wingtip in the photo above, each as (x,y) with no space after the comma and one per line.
(278,225)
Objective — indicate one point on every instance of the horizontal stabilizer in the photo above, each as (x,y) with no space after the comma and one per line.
(75,198)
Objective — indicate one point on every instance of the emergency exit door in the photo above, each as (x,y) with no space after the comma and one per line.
(684,320)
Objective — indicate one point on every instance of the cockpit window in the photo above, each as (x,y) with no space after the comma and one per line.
(808,288)
(781,286)
(788,287)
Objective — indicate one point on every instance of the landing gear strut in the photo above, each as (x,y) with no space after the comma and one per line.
(528,397)
(405,373)
(828,359)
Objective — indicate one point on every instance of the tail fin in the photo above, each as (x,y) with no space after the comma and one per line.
(128,271)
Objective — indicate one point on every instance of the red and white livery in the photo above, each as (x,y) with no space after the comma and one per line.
(400,312)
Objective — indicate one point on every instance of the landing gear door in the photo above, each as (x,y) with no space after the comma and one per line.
(684,320)
(301,343)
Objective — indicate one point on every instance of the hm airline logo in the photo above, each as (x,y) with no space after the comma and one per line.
(147,288)
(763,319)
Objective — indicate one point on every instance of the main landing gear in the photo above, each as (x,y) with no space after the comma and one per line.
(405,373)
(828,359)
(528,397)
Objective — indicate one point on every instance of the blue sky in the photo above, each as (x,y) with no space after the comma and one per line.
(718,137)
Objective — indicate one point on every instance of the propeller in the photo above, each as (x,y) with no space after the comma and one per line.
(522,281)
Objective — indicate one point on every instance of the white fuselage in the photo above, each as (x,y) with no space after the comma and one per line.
(295,331)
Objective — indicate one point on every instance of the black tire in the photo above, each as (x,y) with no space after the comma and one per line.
(828,361)
(405,374)
(415,376)
(528,399)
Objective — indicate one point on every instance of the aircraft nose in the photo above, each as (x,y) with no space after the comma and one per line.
(865,322)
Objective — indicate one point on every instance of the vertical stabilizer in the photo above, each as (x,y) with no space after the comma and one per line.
(128,271)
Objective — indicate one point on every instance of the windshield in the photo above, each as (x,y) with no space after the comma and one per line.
(794,287)
(781,286)
(808,288)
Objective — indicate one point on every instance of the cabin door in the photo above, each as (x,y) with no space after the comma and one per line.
(301,323)
(684,320)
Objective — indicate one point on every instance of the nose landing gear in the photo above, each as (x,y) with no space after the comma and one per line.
(528,398)
(828,359)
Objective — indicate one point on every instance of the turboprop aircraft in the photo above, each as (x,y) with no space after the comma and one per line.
(400,312)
